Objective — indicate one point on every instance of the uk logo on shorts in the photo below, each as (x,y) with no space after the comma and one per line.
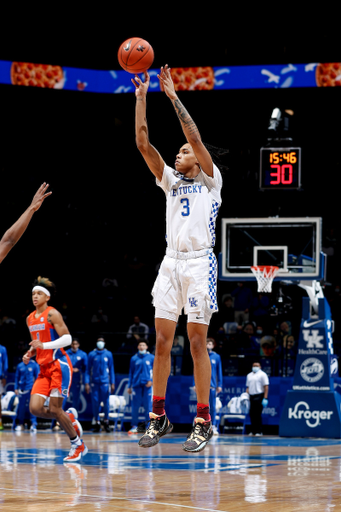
(193,302)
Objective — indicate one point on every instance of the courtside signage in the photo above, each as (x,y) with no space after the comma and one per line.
(307,414)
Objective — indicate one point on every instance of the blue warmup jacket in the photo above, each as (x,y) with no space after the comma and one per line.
(25,375)
(101,367)
(3,362)
(216,371)
(141,369)
(79,360)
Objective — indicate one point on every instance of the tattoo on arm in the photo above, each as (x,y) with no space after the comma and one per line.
(185,119)
(49,318)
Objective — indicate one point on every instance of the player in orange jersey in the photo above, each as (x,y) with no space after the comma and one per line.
(49,336)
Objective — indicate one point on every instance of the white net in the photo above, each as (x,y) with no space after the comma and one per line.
(265,275)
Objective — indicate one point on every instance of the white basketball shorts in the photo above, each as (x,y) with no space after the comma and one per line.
(189,284)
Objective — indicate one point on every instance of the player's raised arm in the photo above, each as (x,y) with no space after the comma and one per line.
(188,125)
(13,234)
(150,154)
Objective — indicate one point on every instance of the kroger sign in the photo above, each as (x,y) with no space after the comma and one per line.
(312,418)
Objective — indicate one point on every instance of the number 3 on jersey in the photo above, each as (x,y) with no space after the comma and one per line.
(185,207)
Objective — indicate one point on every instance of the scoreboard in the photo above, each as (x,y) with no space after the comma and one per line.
(280,168)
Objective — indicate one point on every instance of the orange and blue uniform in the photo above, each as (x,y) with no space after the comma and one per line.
(55,365)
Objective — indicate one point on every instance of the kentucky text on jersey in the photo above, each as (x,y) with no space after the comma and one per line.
(186,189)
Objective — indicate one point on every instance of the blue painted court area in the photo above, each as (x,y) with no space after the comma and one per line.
(123,462)
(206,461)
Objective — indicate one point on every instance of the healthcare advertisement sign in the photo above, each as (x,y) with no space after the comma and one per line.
(315,348)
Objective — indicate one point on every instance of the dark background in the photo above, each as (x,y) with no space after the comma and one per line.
(106,217)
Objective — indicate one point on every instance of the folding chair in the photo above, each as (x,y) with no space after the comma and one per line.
(238,411)
(9,406)
(117,404)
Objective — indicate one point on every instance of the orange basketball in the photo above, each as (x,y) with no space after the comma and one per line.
(135,55)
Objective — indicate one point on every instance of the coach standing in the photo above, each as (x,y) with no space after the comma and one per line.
(102,380)
(257,385)
(140,384)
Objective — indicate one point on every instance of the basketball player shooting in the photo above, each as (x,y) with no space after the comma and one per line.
(188,273)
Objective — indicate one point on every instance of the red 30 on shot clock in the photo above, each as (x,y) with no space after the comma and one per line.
(280,168)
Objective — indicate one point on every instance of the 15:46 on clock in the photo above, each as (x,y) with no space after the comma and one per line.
(280,168)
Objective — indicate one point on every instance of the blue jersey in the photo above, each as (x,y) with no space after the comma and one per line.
(141,369)
(217,372)
(101,367)
(25,375)
(79,360)
(3,362)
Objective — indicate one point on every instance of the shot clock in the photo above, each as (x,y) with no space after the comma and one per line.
(280,168)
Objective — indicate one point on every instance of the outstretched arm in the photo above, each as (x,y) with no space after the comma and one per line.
(188,125)
(13,234)
(150,154)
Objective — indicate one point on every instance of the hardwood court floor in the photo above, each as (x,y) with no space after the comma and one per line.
(233,473)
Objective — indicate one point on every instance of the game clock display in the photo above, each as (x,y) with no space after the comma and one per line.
(280,168)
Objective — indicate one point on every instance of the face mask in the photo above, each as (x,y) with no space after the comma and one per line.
(259,333)
(255,369)
(74,349)
(142,351)
(100,345)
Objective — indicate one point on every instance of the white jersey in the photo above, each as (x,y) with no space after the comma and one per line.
(191,210)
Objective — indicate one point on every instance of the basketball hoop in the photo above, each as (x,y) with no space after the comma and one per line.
(264,274)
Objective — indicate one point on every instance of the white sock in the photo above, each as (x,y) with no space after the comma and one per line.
(76,441)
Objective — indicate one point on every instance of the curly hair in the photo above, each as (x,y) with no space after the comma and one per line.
(45,281)
(217,155)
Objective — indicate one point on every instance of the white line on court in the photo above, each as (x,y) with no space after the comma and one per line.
(137,500)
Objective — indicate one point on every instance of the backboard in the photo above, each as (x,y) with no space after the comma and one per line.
(292,244)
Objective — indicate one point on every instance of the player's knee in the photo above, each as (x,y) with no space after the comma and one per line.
(163,345)
(34,410)
(54,409)
(198,345)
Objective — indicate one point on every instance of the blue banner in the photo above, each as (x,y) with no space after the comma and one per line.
(181,400)
(192,78)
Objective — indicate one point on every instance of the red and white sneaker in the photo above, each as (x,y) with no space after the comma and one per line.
(73,414)
(76,453)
